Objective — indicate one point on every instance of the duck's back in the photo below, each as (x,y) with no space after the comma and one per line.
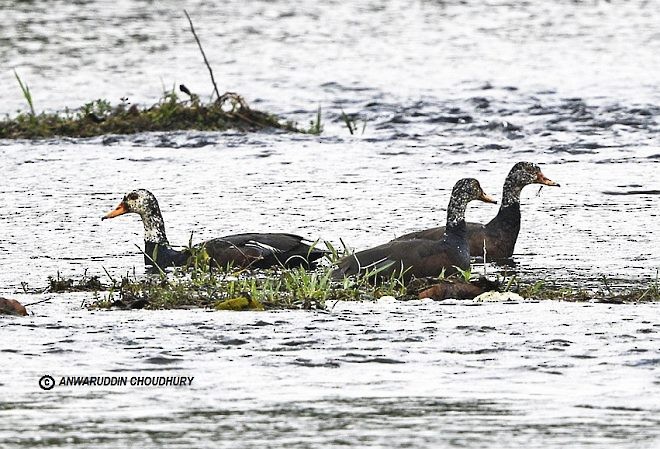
(417,257)
(261,250)
(500,236)
(475,236)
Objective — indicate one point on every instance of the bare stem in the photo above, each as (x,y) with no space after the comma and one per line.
(206,61)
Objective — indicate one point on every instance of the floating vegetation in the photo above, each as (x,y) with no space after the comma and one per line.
(241,290)
(549,290)
(201,286)
(170,113)
(61,284)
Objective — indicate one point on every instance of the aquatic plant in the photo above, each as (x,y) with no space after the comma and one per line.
(208,286)
(315,126)
(629,291)
(202,284)
(464,274)
(61,284)
(351,123)
(169,113)
(26,93)
(652,292)
(542,289)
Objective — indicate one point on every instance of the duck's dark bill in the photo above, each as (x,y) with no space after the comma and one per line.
(541,179)
(119,210)
(487,199)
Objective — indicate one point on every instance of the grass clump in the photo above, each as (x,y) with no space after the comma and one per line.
(62,284)
(170,113)
(25,89)
(240,290)
(549,290)
(545,290)
(200,284)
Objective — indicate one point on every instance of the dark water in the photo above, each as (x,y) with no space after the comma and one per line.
(446,90)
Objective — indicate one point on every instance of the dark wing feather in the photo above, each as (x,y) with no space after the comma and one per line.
(426,234)
(437,233)
(419,258)
(262,250)
(476,233)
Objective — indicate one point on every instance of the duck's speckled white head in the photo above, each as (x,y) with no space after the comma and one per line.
(464,191)
(521,175)
(143,203)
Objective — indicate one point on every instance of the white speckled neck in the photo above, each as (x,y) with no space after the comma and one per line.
(511,192)
(455,213)
(154,227)
(460,197)
(144,203)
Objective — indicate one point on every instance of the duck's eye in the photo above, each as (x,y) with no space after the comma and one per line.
(132,196)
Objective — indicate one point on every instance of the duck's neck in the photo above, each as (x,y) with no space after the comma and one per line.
(456,216)
(509,214)
(511,193)
(154,227)
(156,247)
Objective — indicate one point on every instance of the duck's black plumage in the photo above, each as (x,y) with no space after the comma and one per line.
(501,233)
(262,250)
(422,257)
(253,250)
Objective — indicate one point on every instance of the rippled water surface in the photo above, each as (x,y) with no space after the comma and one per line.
(439,91)
(386,374)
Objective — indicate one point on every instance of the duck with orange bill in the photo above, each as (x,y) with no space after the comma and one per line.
(422,257)
(250,250)
(501,233)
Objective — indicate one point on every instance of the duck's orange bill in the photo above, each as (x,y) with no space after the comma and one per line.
(119,210)
(487,198)
(541,179)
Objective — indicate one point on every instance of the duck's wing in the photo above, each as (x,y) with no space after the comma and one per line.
(419,258)
(385,260)
(426,234)
(262,250)
(361,263)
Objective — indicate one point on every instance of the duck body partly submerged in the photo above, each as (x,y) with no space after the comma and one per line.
(262,250)
(416,257)
(501,233)
(422,257)
(248,250)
